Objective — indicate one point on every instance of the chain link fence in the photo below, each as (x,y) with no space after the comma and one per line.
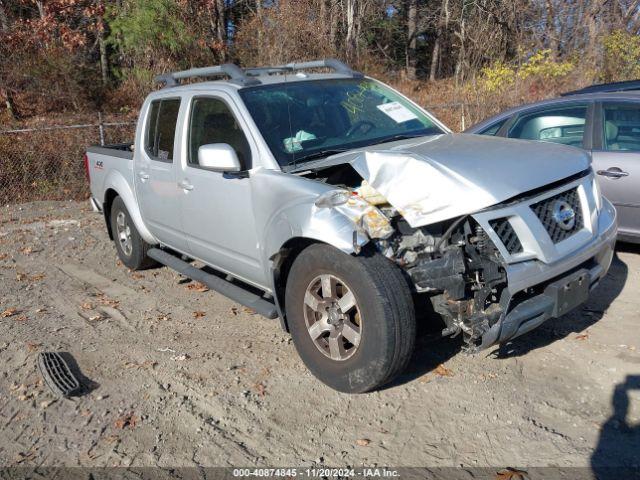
(46,162)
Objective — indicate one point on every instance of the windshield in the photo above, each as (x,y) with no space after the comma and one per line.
(304,120)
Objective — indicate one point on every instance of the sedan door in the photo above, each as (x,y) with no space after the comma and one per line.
(217,207)
(616,161)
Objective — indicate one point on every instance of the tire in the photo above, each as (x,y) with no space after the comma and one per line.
(132,250)
(382,314)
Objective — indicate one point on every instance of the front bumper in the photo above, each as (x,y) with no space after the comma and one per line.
(531,298)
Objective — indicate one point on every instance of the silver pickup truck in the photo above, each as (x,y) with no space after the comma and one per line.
(333,202)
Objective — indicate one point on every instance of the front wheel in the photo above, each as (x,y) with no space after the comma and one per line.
(132,249)
(352,318)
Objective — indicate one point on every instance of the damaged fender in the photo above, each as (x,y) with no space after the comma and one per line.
(297,216)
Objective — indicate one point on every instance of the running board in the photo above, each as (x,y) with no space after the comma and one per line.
(234,292)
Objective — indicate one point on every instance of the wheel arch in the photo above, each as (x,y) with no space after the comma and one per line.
(117,186)
(281,266)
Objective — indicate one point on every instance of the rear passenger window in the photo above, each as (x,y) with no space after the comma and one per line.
(622,127)
(161,129)
(558,125)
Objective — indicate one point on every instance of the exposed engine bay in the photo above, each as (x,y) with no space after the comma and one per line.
(454,262)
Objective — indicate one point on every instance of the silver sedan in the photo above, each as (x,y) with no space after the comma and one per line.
(605,123)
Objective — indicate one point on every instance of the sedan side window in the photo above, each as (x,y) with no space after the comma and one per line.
(213,122)
(493,129)
(621,127)
(564,125)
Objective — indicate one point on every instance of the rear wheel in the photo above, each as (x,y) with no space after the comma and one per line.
(132,249)
(351,318)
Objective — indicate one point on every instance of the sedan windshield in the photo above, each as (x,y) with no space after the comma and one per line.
(308,119)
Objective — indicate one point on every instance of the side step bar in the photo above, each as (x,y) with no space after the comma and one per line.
(226,288)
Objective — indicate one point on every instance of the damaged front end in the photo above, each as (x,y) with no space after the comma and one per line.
(458,266)
(453,262)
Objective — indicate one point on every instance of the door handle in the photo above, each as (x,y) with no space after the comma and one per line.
(611,173)
(143,176)
(185,185)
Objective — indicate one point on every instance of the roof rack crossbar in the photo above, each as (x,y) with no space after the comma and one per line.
(332,63)
(236,73)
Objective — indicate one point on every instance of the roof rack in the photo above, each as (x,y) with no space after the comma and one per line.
(235,72)
(247,77)
(607,87)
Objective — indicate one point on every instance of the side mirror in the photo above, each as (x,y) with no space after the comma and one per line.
(219,157)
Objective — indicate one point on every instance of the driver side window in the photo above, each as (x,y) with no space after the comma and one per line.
(211,121)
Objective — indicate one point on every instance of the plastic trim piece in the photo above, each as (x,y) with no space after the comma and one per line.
(57,374)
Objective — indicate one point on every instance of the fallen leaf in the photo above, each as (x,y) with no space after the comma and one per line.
(22,456)
(32,347)
(199,314)
(425,379)
(197,287)
(260,388)
(9,312)
(510,473)
(94,318)
(137,276)
(21,318)
(583,336)
(26,250)
(234,310)
(87,306)
(443,371)
(20,276)
(180,358)
(3,256)
(248,310)
(363,442)
(128,420)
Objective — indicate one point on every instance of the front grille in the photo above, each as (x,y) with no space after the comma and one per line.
(550,209)
(507,235)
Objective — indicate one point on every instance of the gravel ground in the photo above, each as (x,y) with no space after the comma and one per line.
(184,377)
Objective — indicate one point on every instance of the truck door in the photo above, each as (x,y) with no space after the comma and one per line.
(155,175)
(616,161)
(217,208)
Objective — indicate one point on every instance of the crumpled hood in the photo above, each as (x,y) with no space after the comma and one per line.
(437,178)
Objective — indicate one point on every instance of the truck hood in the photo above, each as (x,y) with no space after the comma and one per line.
(436,178)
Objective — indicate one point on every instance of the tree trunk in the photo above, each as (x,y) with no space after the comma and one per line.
(434,59)
(552,39)
(4,21)
(350,37)
(104,60)
(412,41)
(40,6)
(9,103)
(443,26)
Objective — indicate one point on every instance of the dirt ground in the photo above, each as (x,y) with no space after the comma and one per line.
(183,377)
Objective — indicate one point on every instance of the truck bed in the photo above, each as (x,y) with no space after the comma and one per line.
(120,150)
